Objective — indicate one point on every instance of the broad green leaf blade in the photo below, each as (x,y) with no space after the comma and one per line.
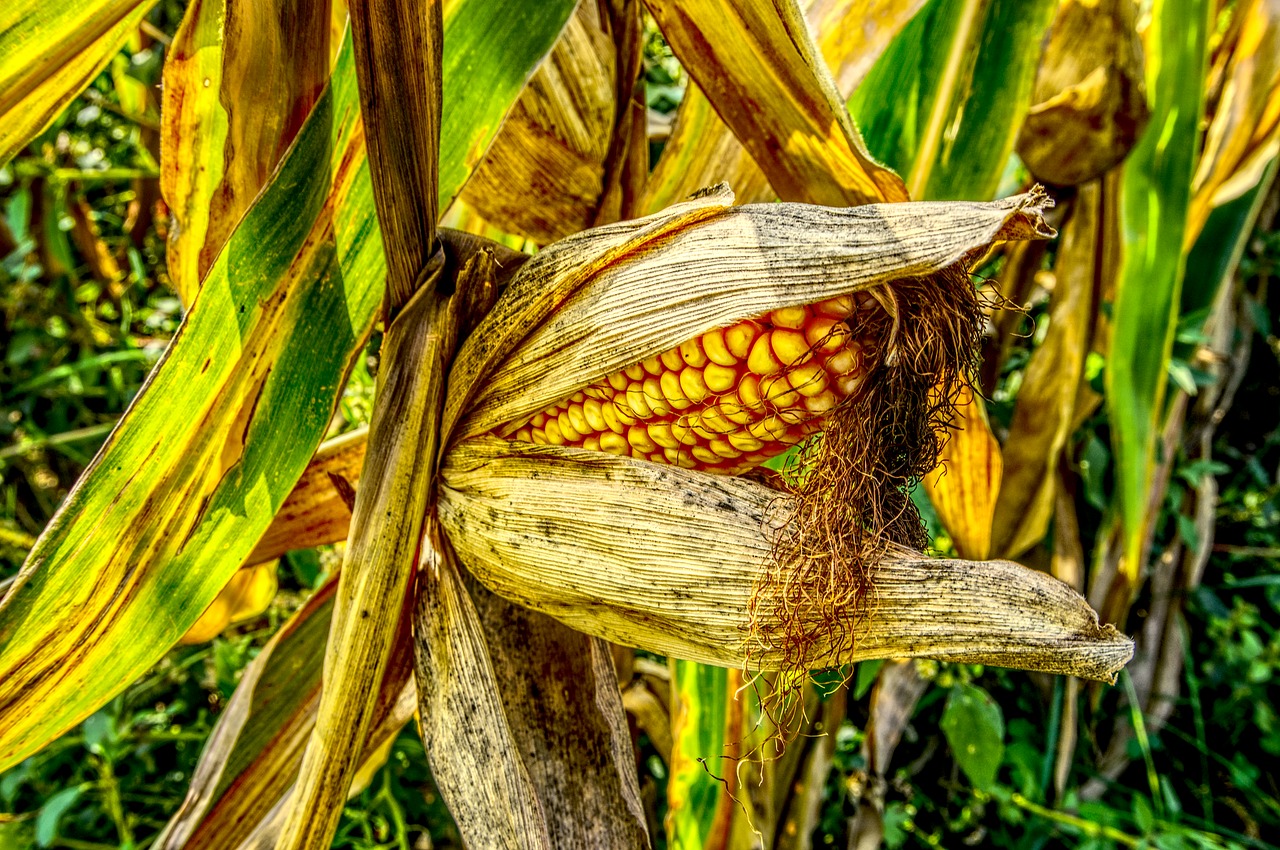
(1154,202)
(208,451)
(944,102)
(758,64)
(212,446)
(49,52)
(218,146)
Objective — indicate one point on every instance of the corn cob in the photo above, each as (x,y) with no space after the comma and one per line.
(725,401)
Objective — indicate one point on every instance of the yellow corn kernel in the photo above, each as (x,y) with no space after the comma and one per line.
(653,394)
(744,442)
(618,381)
(593,413)
(525,435)
(670,384)
(826,335)
(739,339)
(637,402)
(652,365)
(568,429)
(539,420)
(704,455)
(790,317)
(614,444)
(724,449)
(592,443)
(778,392)
(762,359)
(672,360)
(693,354)
(539,436)
(808,379)
(693,385)
(638,437)
(635,372)
(842,362)
(749,393)
(790,347)
(821,404)
(609,412)
(840,307)
(713,343)
(660,433)
(848,384)
(554,436)
(719,379)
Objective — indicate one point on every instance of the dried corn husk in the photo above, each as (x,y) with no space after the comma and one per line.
(669,559)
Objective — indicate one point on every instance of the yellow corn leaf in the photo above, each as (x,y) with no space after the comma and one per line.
(222,130)
(967,482)
(668,559)
(758,65)
(246,596)
(1044,417)
(49,52)
(544,173)
(702,151)
(251,759)
(1244,134)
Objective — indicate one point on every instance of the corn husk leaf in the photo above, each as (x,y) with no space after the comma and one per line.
(668,559)
(702,150)
(696,267)
(585,783)
(1154,204)
(758,65)
(217,146)
(49,52)
(1043,418)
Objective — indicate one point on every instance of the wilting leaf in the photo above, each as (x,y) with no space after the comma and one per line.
(1090,104)
(1043,418)
(703,151)
(974,726)
(252,757)
(757,63)
(1156,193)
(1245,131)
(223,131)
(213,445)
(49,52)
(967,482)
(544,173)
(943,104)
(208,451)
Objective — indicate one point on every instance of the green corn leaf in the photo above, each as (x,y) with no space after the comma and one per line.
(1156,195)
(699,805)
(943,104)
(226,424)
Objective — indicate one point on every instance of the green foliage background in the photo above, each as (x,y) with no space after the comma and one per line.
(87,310)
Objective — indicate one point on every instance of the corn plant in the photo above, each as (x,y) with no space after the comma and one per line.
(689,422)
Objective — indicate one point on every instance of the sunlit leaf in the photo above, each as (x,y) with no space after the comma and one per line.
(49,52)
(218,146)
(1154,203)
